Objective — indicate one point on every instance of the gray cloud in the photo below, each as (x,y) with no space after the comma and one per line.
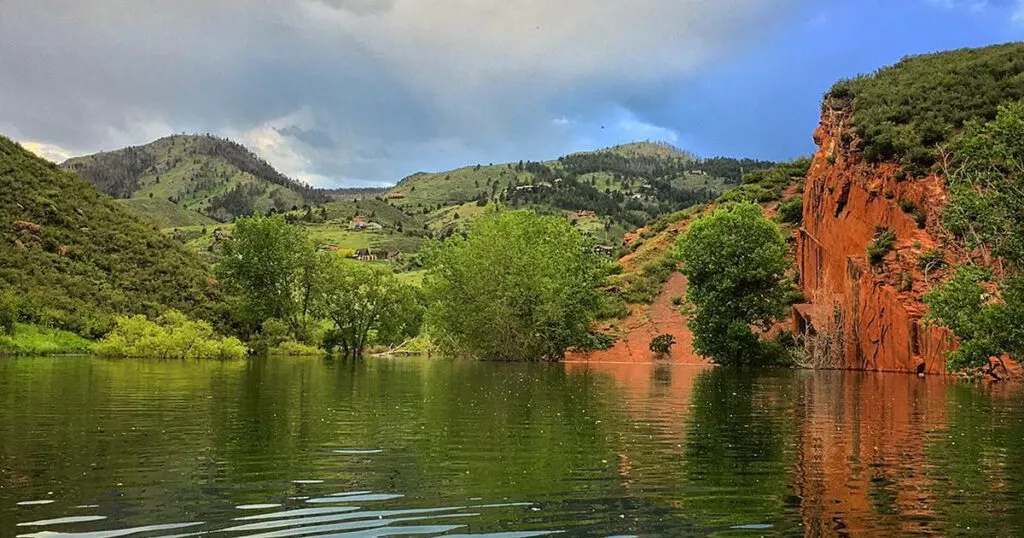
(355,91)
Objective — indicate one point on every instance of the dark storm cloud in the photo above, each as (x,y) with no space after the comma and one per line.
(346,91)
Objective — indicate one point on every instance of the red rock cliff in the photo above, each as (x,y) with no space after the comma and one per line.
(878,307)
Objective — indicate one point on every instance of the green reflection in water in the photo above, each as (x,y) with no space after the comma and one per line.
(311,447)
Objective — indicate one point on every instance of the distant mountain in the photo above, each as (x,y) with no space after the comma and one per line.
(213,176)
(623,186)
(75,258)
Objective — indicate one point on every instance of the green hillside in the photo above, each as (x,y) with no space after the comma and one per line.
(625,186)
(213,176)
(164,214)
(907,111)
(74,257)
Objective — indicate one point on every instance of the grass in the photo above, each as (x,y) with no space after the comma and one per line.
(412,278)
(161,213)
(36,340)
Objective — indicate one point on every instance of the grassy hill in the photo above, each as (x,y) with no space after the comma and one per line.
(905,112)
(201,173)
(74,257)
(164,214)
(624,186)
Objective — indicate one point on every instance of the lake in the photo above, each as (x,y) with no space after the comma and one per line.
(274,448)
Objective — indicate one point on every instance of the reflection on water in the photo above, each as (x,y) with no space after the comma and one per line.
(285,447)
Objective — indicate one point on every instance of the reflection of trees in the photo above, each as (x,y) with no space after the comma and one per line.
(736,456)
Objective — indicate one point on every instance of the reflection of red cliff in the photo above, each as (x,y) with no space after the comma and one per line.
(844,201)
(646,322)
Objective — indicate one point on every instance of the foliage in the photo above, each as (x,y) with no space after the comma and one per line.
(931,259)
(662,344)
(76,258)
(792,211)
(8,312)
(643,287)
(987,322)
(986,183)
(735,260)
(35,341)
(518,287)
(171,336)
(215,176)
(367,306)
(881,245)
(270,265)
(768,184)
(904,112)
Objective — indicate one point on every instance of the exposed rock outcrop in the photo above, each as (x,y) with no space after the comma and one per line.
(846,203)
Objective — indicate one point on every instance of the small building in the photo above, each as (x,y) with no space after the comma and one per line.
(585,214)
(365,255)
(396,196)
(373,226)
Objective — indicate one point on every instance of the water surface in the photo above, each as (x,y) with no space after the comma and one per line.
(93,448)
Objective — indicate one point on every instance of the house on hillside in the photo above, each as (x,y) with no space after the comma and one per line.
(585,214)
(373,226)
(357,223)
(365,255)
(396,196)
(604,250)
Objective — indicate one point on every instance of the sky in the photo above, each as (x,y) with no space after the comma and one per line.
(346,93)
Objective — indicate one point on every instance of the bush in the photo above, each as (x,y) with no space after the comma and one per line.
(931,259)
(662,344)
(987,324)
(881,245)
(291,348)
(792,211)
(171,336)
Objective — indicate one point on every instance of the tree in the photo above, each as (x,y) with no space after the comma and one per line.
(366,305)
(518,286)
(269,265)
(985,326)
(735,260)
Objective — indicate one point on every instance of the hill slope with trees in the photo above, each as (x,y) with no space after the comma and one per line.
(202,173)
(74,258)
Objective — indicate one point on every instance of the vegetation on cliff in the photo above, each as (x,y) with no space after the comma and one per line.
(735,262)
(985,308)
(906,112)
(76,258)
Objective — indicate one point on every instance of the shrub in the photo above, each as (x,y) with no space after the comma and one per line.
(908,206)
(931,259)
(987,324)
(881,245)
(792,211)
(171,336)
(677,300)
(662,344)
(906,282)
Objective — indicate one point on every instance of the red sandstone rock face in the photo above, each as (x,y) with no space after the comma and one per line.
(844,201)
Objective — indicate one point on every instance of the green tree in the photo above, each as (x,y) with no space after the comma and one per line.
(366,305)
(270,266)
(735,260)
(518,286)
(988,320)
